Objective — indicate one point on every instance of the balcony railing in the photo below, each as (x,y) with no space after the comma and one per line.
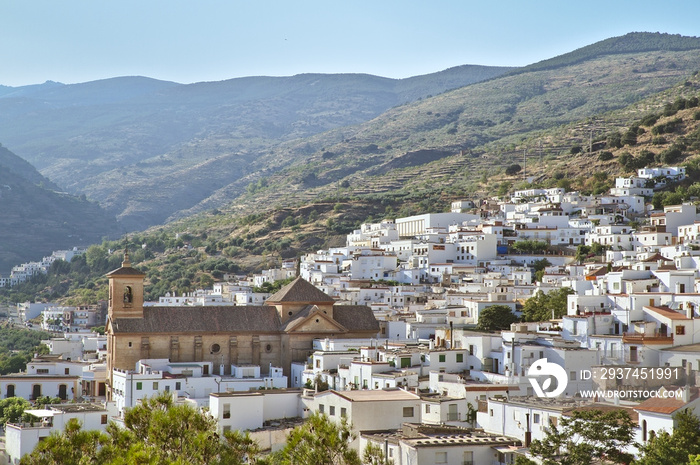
(654,338)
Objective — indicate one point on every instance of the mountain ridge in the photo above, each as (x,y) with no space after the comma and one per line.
(37,219)
(170,156)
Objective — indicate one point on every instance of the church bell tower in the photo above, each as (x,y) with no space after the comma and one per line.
(125,291)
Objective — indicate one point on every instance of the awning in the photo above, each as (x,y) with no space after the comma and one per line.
(42,413)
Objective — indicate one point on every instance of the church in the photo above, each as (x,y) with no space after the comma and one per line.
(277,333)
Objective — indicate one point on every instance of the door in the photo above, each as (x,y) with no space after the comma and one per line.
(62,392)
(452,414)
(36,391)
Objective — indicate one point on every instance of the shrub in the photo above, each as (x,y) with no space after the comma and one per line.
(671,155)
(513,169)
(649,120)
(614,140)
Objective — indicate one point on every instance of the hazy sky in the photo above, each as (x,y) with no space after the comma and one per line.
(210,40)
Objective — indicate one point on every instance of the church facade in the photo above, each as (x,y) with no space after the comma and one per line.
(277,333)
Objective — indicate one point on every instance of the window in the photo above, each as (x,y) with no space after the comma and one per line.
(472,349)
(103,420)
(139,386)
(680,330)
(460,358)
(441,358)
(407,412)
(227,411)
(536,418)
(155,385)
(427,408)
(178,386)
(320,408)
(318,363)
(343,412)
(331,410)
(440,457)
(42,371)
(167,388)
(66,371)
(129,343)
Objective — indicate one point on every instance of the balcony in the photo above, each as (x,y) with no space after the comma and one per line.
(641,338)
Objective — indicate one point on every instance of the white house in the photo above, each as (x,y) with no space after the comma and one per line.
(367,409)
(250,410)
(438,445)
(21,438)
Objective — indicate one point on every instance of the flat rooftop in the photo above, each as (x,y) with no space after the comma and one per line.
(375,395)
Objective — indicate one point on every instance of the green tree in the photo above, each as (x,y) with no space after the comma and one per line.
(522,460)
(673,448)
(629,138)
(156,432)
(12,408)
(530,246)
(538,267)
(542,307)
(72,446)
(614,140)
(374,455)
(496,317)
(319,441)
(587,436)
(513,169)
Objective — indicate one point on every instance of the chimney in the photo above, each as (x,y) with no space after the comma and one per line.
(686,393)
(528,433)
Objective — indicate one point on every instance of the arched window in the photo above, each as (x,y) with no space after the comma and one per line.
(128,295)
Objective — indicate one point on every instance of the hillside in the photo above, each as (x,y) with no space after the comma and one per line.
(109,139)
(227,240)
(472,130)
(37,219)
